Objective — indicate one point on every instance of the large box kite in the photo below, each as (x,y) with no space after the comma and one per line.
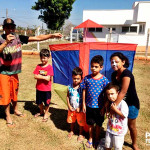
(65,57)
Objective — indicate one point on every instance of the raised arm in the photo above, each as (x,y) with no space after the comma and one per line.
(44,37)
(124,89)
(9,38)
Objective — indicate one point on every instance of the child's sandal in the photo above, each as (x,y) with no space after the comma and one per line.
(80,138)
(89,144)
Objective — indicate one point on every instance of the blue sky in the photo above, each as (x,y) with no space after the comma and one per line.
(20,10)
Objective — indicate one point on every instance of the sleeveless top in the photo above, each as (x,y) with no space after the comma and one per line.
(11,56)
(131,97)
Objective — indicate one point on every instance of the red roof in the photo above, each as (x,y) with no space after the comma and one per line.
(89,24)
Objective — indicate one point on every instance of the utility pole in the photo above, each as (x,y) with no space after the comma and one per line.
(146,51)
(6,13)
(38,33)
(71,34)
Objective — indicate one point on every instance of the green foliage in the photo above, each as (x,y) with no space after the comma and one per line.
(54,12)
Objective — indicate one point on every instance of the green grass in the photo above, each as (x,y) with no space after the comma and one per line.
(32,134)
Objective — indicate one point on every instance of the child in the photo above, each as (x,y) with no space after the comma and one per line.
(125,79)
(43,73)
(74,101)
(92,103)
(117,123)
(10,65)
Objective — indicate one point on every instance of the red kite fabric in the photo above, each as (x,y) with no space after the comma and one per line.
(89,24)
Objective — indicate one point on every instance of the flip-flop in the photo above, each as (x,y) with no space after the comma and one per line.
(38,115)
(44,119)
(80,138)
(20,115)
(10,125)
(89,144)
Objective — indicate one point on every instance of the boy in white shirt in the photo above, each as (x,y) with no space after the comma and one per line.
(118,122)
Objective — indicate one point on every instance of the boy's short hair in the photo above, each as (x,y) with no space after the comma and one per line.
(98,59)
(112,86)
(45,53)
(77,71)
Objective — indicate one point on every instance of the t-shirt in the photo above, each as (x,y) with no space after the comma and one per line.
(43,85)
(75,96)
(94,88)
(11,57)
(131,97)
(116,125)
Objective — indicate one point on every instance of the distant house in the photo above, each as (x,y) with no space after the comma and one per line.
(127,26)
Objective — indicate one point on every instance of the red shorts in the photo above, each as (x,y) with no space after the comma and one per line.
(9,85)
(79,116)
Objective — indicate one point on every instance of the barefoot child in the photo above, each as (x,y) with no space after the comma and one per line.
(125,79)
(92,103)
(43,74)
(74,101)
(117,123)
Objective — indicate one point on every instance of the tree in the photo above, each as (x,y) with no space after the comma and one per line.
(67,27)
(54,12)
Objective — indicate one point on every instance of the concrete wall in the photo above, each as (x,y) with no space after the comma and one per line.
(138,15)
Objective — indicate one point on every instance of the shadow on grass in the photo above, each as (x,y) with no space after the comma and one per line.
(127,144)
(59,118)
(32,106)
(2,111)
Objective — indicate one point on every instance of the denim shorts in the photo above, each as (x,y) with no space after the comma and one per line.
(133,112)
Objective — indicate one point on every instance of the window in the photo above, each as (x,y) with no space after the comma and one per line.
(133,29)
(91,29)
(98,29)
(125,29)
(129,29)
(141,28)
(95,29)
(113,29)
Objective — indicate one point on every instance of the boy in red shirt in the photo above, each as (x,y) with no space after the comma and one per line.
(43,73)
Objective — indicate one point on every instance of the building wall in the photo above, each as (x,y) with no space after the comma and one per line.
(109,17)
(140,14)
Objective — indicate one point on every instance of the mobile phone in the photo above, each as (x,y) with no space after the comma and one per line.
(12,33)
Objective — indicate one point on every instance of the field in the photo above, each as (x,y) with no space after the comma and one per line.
(32,134)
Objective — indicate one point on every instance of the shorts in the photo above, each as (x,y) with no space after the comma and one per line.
(115,141)
(79,116)
(43,97)
(9,85)
(93,116)
(133,112)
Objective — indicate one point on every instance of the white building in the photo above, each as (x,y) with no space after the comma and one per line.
(127,26)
